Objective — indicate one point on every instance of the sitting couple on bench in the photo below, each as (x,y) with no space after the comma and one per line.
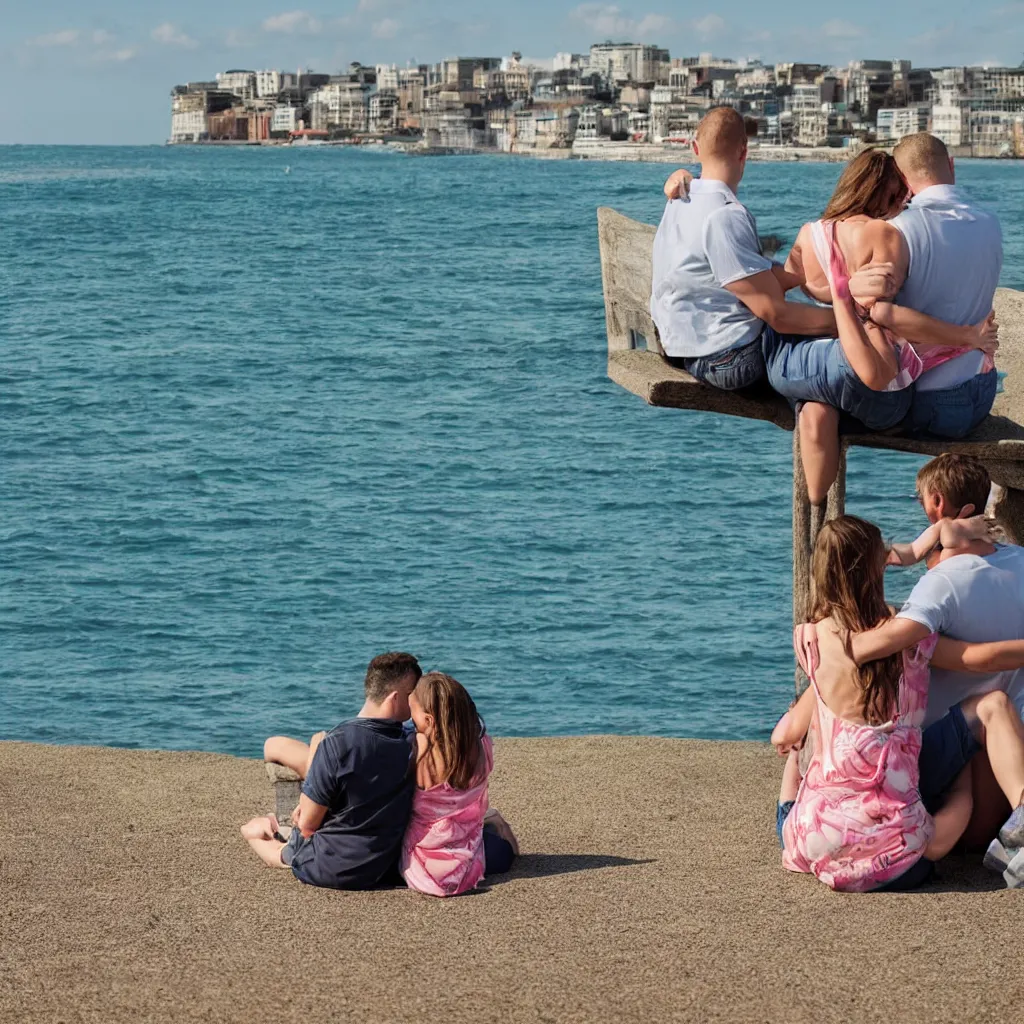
(909,337)
(382,802)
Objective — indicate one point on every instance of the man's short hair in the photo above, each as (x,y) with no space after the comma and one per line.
(922,155)
(387,672)
(721,133)
(959,479)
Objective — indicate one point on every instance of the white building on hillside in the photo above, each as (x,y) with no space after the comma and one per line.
(241,83)
(892,124)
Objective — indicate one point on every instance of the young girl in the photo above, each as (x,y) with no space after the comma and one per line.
(857,820)
(452,838)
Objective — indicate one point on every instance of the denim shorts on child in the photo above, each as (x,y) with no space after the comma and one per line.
(818,371)
(953,412)
(292,847)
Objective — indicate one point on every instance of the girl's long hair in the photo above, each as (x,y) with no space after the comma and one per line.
(871,184)
(458,728)
(847,579)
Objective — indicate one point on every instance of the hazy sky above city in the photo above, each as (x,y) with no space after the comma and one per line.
(101,71)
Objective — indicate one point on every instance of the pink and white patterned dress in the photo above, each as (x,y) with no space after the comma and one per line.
(443,849)
(858,821)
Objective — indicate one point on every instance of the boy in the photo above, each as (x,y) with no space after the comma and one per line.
(357,789)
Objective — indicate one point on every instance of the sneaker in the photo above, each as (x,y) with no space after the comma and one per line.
(1014,873)
(1011,835)
(997,857)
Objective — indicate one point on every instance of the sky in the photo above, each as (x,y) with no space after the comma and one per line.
(100,71)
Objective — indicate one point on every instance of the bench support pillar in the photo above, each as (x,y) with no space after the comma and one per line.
(808,520)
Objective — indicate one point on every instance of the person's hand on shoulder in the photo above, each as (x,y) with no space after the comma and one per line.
(678,185)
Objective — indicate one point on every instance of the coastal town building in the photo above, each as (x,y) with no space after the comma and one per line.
(618,94)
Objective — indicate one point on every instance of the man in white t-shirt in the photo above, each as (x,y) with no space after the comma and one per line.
(713,291)
(977,597)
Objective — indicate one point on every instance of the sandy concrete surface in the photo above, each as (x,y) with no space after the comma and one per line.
(650,890)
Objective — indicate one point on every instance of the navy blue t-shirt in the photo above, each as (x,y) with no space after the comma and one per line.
(363,773)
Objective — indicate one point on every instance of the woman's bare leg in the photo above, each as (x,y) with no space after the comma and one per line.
(951,821)
(819,448)
(291,753)
(259,834)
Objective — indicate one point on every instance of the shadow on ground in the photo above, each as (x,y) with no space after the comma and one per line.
(543,865)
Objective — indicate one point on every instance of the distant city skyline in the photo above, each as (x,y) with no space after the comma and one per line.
(103,74)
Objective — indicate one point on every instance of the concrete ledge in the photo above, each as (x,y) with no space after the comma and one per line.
(650,890)
(287,787)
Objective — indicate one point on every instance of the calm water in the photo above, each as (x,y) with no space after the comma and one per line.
(258,426)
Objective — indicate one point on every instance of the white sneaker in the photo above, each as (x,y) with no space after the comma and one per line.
(1011,835)
(997,857)
(1014,873)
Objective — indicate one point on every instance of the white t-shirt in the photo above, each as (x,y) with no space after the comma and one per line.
(701,246)
(956,256)
(977,598)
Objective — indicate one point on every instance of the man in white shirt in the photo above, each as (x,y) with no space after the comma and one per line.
(955,252)
(713,291)
(977,597)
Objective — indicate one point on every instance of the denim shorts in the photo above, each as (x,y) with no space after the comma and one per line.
(947,747)
(953,412)
(803,370)
(292,847)
(738,368)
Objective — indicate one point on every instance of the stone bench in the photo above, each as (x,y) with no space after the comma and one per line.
(287,786)
(636,362)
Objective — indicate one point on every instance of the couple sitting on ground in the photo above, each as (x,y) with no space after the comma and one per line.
(381,803)
(922,363)
(902,764)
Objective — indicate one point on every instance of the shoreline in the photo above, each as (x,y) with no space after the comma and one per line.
(608,153)
(650,888)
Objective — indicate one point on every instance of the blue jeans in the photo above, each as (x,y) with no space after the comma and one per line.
(738,368)
(803,370)
(953,412)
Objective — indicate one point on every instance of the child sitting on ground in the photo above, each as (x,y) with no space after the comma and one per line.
(452,840)
(858,820)
(357,789)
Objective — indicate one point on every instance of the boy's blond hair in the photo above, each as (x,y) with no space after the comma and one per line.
(959,479)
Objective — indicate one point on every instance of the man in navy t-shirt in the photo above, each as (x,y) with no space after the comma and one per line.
(357,789)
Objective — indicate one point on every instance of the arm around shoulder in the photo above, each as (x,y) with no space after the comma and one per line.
(890,638)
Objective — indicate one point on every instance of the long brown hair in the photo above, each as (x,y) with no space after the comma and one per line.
(847,572)
(457,728)
(871,184)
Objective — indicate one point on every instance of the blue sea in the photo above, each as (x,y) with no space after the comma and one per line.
(266,413)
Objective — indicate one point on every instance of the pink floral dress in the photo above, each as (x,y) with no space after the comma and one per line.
(858,821)
(443,849)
